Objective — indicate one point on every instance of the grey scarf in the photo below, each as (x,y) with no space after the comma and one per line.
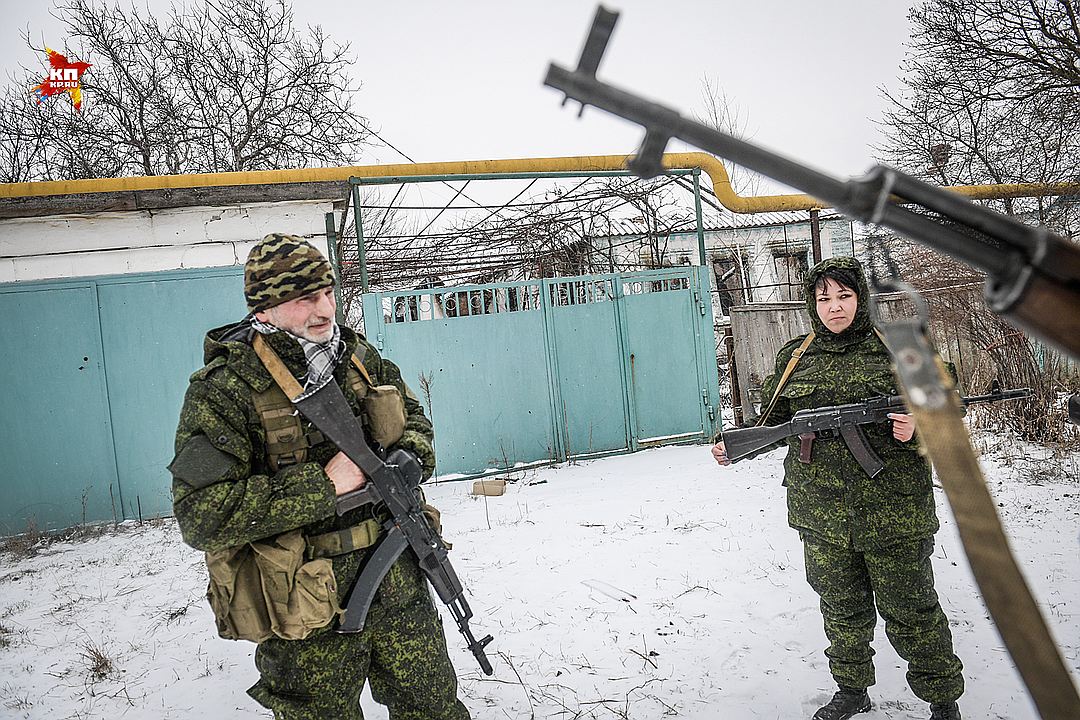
(322,358)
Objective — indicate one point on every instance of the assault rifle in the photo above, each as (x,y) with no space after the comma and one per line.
(841,419)
(394,484)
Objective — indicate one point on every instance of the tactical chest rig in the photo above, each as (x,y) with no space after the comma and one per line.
(393,485)
(287,443)
(284,586)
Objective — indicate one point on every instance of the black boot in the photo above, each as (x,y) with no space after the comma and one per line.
(944,711)
(846,703)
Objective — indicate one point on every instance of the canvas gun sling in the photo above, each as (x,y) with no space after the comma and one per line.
(795,357)
(929,392)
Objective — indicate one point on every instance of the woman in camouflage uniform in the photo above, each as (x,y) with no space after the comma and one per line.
(866,540)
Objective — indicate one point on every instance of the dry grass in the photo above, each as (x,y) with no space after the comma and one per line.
(33,540)
(986,349)
(98,663)
(24,545)
(14,699)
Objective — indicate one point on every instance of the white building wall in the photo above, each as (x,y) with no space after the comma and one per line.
(139,241)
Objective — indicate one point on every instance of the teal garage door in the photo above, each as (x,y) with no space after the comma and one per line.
(93,373)
(57,467)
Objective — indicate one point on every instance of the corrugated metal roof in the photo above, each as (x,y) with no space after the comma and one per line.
(740,222)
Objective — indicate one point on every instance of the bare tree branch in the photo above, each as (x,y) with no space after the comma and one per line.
(212,87)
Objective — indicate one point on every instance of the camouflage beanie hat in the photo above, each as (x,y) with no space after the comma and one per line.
(281,268)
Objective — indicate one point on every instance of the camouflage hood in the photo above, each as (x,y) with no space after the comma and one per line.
(234,339)
(848,271)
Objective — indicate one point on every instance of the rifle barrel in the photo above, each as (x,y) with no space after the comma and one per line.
(1013,394)
(857,198)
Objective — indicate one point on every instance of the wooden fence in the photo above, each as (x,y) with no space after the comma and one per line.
(760,330)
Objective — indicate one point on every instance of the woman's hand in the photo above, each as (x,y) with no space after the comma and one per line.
(903,426)
(720,454)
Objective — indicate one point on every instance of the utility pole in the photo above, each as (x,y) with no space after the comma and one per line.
(815,234)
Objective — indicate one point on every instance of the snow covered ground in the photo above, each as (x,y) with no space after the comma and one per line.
(639,586)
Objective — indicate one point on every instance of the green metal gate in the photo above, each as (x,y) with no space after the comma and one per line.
(552,369)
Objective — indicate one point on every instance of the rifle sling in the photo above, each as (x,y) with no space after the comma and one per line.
(285,380)
(281,374)
(795,356)
(1007,595)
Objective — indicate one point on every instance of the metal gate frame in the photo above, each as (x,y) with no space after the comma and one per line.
(689,281)
(355,183)
(705,358)
(698,284)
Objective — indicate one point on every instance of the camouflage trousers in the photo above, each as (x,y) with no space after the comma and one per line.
(401,651)
(900,580)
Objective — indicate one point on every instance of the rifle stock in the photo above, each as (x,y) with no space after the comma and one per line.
(1039,306)
(743,442)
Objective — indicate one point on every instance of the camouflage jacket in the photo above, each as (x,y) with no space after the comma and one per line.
(233,497)
(832,497)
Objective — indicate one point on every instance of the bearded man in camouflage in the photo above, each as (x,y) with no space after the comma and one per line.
(239,479)
(866,540)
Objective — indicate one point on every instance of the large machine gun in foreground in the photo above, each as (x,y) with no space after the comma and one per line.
(1033,279)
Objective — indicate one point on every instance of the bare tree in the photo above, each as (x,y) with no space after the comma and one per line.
(540,232)
(991,95)
(725,115)
(658,214)
(211,87)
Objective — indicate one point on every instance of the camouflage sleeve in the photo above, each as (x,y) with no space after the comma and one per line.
(419,436)
(218,503)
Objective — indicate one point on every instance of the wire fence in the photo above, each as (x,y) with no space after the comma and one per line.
(470,231)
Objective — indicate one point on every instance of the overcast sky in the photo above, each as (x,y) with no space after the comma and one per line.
(445,80)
